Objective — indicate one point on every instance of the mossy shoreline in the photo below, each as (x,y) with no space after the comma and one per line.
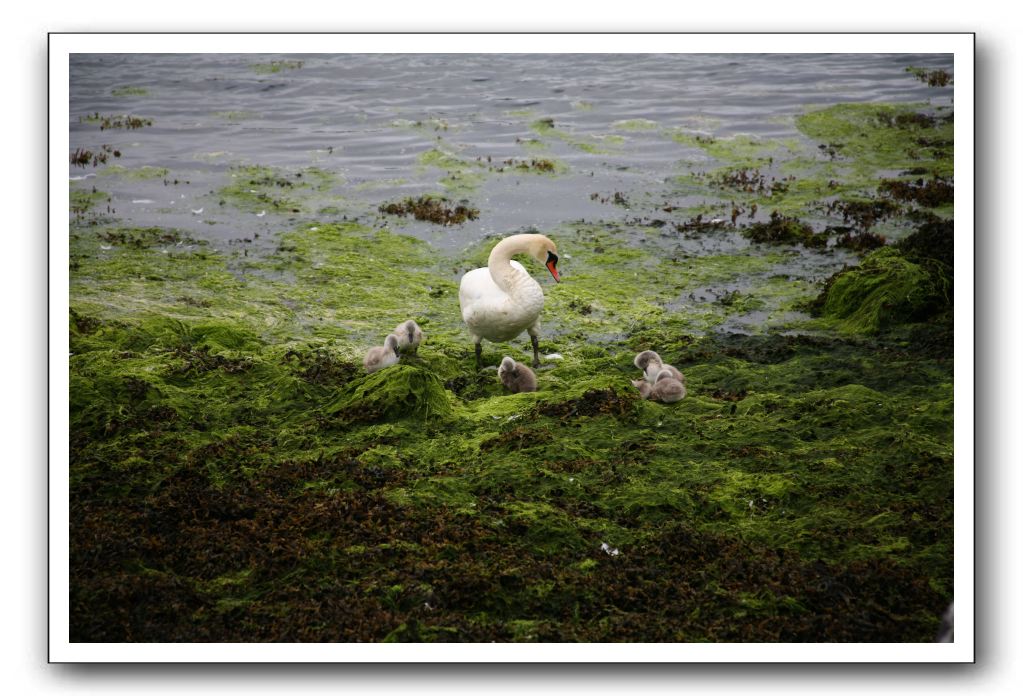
(235,476)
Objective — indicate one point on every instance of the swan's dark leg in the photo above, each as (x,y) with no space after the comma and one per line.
(479,356)
(536,350)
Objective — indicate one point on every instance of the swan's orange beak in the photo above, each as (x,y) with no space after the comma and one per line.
(552,266)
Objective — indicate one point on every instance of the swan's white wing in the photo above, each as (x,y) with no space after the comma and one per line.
(479,284)
(476,286)
(487,309)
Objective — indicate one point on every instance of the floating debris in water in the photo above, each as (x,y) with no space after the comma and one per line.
(143,200)
(197,212)
(261,213)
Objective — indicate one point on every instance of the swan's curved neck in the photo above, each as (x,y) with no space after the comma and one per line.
(505,276)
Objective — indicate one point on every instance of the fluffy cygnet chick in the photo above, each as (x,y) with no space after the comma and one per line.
(644,388)
(516,376)
(666,389)
(409,336)
(651,364)
(383,356)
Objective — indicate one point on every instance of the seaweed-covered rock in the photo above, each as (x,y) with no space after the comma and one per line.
(931,240)
(930,193)
(886,289)
(784,230)
(861,242)
(396,392)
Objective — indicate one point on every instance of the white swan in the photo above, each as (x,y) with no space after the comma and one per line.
(501,301)
(379,357)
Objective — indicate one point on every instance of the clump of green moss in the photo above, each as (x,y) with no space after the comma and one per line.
(394,392)
(784,230)
(885,290)
(431,209)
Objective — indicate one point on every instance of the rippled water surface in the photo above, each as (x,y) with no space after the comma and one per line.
(367,120)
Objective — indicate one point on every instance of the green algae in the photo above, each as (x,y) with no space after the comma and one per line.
(236,476)
(878,137)
(549,476)
(635,124)
(82,201)
(257,188)
(129,91)
(532,144)
(431,124)
(855,149)
(885,289)
(398,391)
(592,144)
(461,176)
(235,116)
(136,173)
(275,66)
(739,150)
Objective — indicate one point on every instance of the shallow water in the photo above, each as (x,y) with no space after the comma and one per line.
(355,117)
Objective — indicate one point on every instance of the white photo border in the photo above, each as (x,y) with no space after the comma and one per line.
(960,45)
